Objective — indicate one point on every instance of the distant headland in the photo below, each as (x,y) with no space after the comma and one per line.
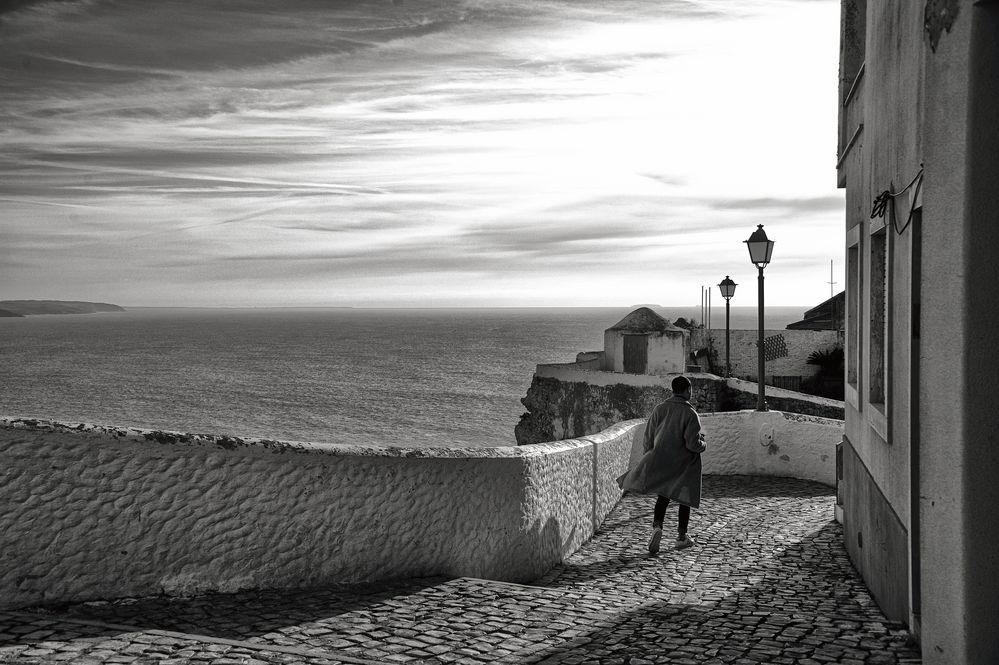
(32,307)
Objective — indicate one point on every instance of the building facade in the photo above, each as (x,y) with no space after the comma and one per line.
(919,158)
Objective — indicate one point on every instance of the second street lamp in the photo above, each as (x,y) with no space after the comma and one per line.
(727,288)
(761,249)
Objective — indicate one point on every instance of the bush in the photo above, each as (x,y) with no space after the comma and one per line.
(828,382)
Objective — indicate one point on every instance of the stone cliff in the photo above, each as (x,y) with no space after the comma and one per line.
(561,409)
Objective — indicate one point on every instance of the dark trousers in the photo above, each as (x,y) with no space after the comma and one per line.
(660,512)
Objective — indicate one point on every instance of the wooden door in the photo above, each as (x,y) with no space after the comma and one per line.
(636,353)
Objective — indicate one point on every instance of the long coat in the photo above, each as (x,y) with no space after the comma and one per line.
(671,465)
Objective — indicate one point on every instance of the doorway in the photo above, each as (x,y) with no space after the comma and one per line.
(636,354)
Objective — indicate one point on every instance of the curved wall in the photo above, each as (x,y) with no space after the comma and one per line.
(766,443)
(97,512)
(92,512)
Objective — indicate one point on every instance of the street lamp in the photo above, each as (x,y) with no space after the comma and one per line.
(760,250)
(727,287)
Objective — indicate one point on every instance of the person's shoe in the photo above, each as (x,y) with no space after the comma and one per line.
(657,535)
(684,542)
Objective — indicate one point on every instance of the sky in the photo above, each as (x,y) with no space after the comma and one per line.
(428,153)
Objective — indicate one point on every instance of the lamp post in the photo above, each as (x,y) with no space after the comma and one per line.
(727,287)
(760,250)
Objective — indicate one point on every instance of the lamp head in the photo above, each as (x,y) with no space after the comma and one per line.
(760,247)
(727,287)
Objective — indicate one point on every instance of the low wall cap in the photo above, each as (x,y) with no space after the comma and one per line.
(644,319)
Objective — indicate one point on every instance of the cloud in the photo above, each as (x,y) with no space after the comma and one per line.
(368,224)
(24,201)
(158,176)
(550,239)
(453,145)
(830,203)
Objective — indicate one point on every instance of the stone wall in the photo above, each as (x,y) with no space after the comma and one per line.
(744,359)
(567,400)
(765,443)
(97,512)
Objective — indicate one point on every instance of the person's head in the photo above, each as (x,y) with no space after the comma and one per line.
(681,386)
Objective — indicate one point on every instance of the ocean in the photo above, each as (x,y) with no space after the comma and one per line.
(391,377)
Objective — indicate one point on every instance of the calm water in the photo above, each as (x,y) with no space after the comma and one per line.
(449,377)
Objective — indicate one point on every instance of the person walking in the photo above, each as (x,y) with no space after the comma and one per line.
(671,465)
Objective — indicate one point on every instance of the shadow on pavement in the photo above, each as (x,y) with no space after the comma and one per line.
(805,601)
(762,486)
(237,616)
(739,516)
(23,629)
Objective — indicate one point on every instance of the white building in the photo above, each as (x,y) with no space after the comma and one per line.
(919,477)
(645,343)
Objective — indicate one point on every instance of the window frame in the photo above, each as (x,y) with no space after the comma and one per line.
(879,233)
(854,338)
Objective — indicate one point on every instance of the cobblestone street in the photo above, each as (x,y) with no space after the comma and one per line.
(768,581)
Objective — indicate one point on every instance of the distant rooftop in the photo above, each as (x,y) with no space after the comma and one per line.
(643,319)
(830,315)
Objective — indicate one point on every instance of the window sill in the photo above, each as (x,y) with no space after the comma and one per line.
(877,419)
(852,396)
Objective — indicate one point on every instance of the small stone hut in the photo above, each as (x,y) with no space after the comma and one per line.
(645,343)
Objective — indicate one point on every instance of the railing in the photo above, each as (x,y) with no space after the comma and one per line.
(786,382)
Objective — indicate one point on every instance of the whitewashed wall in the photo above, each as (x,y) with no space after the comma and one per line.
(667,351)
(92,512)
(766,443)
(96,512)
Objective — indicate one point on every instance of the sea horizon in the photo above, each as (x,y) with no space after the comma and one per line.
(776,316)
(403,377)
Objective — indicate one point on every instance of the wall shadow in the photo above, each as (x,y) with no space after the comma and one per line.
(807,600)
(237,616)
(729,486)
(734,509)
(29,628)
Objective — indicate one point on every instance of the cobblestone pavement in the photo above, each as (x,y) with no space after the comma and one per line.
(767,582)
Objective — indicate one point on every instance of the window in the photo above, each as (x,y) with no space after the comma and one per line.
(853,292)
(853,38)
(878,317)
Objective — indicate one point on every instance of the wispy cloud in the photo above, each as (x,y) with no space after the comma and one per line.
(579,149)
(831,203)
